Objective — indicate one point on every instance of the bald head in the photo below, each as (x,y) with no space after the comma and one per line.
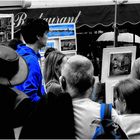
(78,72)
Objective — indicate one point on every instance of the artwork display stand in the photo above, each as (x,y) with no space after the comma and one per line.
(62,36)
(116,65)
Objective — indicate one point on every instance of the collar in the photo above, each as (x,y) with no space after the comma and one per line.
(23,49)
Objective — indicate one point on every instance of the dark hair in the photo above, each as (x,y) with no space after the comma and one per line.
(48,50)
(33,28)
(14,43)
(129,90)
(51,66)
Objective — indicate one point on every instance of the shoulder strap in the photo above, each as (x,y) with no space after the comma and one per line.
(105,111)
(20,96)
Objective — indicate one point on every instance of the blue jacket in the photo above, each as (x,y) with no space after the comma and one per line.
(32,86)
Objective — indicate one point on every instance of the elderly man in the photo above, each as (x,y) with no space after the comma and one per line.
(77,79)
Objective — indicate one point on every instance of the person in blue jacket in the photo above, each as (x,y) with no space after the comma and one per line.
(34,33)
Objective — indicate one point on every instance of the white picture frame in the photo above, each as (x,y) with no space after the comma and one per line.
(69,54)
(109,90)
(121,53)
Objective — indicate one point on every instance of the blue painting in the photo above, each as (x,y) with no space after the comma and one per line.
(61,30)
(50,44)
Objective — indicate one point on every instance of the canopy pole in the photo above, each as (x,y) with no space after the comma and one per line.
(115,25)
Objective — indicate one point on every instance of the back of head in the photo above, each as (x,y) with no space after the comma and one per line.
(129,90)
(33,28)
(48,50)
(78,72)
(52,66)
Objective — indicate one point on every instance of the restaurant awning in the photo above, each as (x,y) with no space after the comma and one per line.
(90,16)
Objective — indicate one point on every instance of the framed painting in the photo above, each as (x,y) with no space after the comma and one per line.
(61,30)
(6,28)
(51,43)
(120,63)
(117,62)
(68,44)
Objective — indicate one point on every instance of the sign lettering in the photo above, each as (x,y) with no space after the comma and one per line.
(21,17)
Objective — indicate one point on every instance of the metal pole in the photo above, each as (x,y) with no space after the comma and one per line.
(115,26)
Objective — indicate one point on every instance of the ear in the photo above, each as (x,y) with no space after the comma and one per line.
(62,82)
(38,37)
(124,108)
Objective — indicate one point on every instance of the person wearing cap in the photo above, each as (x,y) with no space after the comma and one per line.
(34,33)
(14,104)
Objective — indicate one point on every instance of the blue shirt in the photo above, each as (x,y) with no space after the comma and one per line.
(32,86)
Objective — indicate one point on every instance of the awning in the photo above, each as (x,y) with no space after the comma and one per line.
(90,16)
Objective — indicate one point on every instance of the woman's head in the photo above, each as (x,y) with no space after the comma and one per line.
(127,96)
(48,50)
(53,64)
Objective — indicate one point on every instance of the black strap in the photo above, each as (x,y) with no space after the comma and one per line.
(20,96)
(106,111)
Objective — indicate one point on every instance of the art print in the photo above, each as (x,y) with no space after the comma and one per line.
(120,63)
(68,44)
(61,30)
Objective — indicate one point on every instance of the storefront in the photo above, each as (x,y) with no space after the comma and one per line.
(91,22)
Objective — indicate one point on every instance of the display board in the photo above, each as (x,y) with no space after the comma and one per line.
(62,36)
(117,62)
(116,65)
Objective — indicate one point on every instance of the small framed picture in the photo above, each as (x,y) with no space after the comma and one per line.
(6,28)
(117,62)
(50,44)
(62,30)
(68,44)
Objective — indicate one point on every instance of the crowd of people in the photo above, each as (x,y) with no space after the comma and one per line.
(57,103)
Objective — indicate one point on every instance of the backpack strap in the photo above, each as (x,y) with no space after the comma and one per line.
(20,96)
(105,111)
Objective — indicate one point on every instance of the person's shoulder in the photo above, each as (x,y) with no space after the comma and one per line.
(115,116)
(114,112)
(87,103)
(137,60)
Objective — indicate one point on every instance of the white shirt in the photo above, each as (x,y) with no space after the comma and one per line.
(87,117)
(131,123)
